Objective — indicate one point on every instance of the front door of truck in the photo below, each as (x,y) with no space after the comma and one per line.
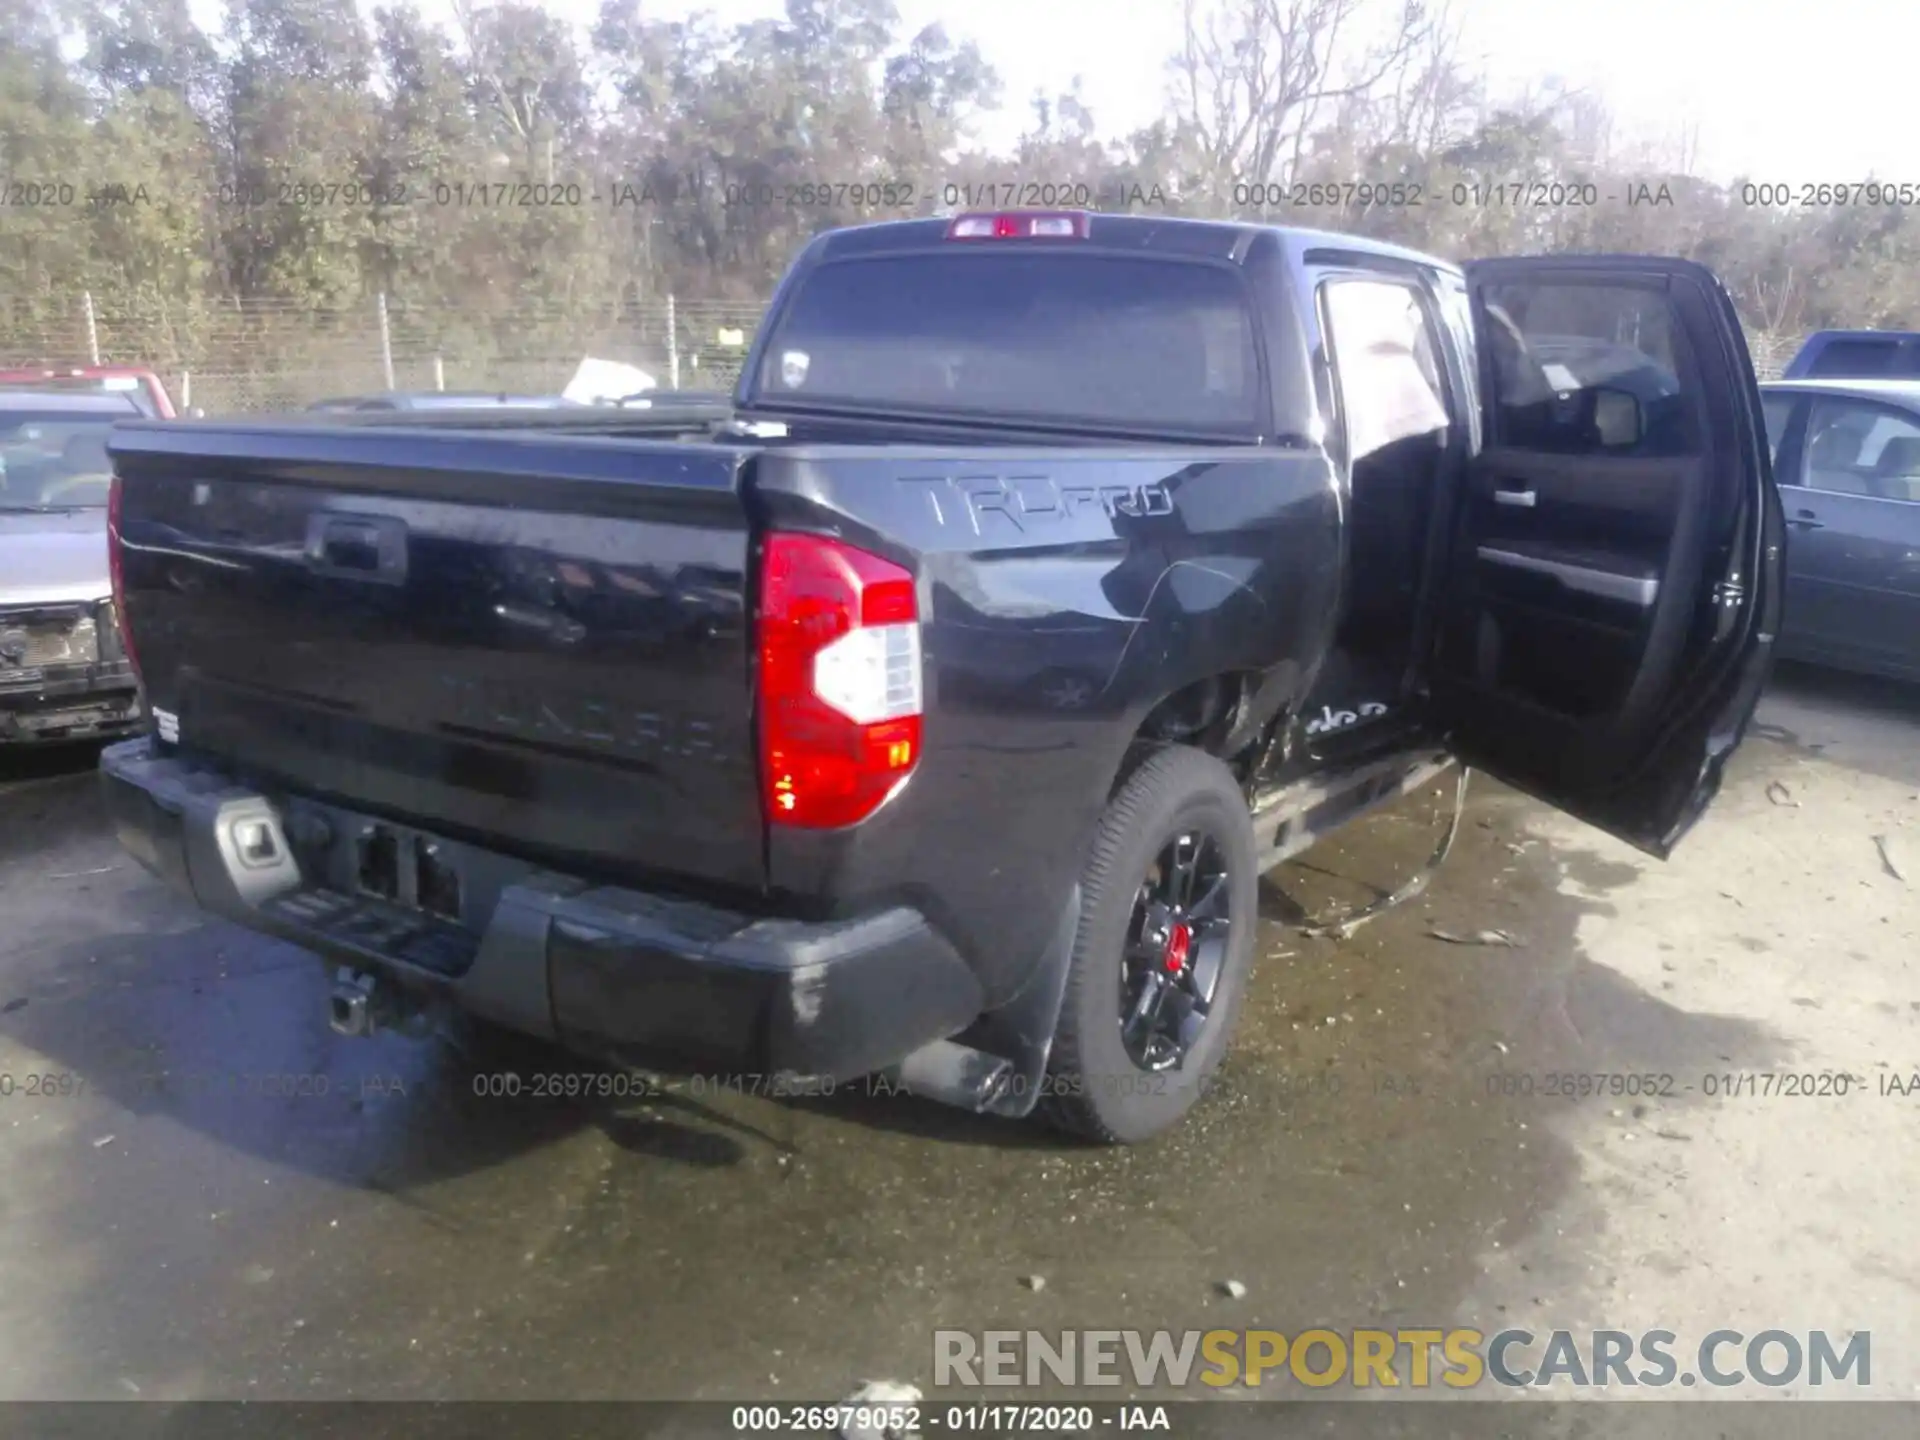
(1614,573)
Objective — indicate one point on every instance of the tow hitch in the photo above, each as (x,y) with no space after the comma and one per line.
(363,1003)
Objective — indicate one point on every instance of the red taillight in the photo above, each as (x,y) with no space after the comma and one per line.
(116,571)
(1020,225)
(840,689)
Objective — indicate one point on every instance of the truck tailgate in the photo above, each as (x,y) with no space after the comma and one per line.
(538,642)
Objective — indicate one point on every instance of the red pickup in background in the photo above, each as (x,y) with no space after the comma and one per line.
(142,384)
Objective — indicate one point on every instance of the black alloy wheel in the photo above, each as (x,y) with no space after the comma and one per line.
(1177,946)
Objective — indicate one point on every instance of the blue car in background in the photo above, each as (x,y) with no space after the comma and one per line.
(1857,355)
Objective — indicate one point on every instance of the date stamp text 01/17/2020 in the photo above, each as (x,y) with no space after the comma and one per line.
(830,195)
(1579,1085)
(900,195)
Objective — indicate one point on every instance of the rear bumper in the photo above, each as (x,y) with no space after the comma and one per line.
(72,703)
(595,967)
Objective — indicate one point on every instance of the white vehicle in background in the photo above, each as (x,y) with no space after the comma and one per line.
(607,382)
(63,674)
(415,400)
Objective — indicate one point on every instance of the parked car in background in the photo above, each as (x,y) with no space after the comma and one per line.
(1856,355)
(63,673)
(1846,454)
(607,382)
(138,383)
(439,400)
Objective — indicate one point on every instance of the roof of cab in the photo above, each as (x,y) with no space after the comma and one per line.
(1162,233)
(1300,241)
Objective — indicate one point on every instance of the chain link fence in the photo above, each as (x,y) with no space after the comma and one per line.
(232,355)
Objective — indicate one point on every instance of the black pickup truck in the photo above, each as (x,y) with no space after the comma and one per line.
(934,713)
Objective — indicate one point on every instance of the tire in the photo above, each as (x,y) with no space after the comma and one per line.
(1095,1087)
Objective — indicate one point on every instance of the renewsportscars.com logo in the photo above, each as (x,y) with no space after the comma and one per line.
(1415,1359)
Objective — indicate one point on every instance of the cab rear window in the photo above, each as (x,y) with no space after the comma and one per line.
(1072,339)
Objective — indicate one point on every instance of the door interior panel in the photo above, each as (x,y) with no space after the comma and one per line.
(1570,668)
(1613,581)
(1580,576)
(1561,592)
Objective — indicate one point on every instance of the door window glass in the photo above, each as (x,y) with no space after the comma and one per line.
(1778,410)
(1588,370)
(1858,448)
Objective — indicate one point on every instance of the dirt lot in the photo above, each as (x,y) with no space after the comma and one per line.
(400,1236)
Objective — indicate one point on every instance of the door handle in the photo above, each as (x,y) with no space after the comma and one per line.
(350,545)
(1524,499)
(357,547)
(1803,520)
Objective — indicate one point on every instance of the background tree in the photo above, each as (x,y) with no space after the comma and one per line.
(506,178)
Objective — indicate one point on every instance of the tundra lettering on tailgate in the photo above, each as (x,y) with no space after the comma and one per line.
(594,722)
(1020,499)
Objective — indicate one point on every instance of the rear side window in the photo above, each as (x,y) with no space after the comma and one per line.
(1855,447)
(1080,340)
(1588,369)
(1778,410)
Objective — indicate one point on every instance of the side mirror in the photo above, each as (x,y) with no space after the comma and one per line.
(1617,418)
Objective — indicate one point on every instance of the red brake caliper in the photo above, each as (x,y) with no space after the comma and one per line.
(1179,940)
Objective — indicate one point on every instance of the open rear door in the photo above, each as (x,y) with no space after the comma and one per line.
(1615,574)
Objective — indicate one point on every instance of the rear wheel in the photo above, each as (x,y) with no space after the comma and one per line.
(1162,952)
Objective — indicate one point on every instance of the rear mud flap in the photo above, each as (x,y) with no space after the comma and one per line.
(998,1065)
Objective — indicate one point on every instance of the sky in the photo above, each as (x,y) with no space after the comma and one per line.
(1781,90)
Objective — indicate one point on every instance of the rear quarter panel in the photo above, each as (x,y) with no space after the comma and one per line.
(1063,593)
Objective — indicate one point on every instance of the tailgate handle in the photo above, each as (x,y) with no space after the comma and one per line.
(358,547)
